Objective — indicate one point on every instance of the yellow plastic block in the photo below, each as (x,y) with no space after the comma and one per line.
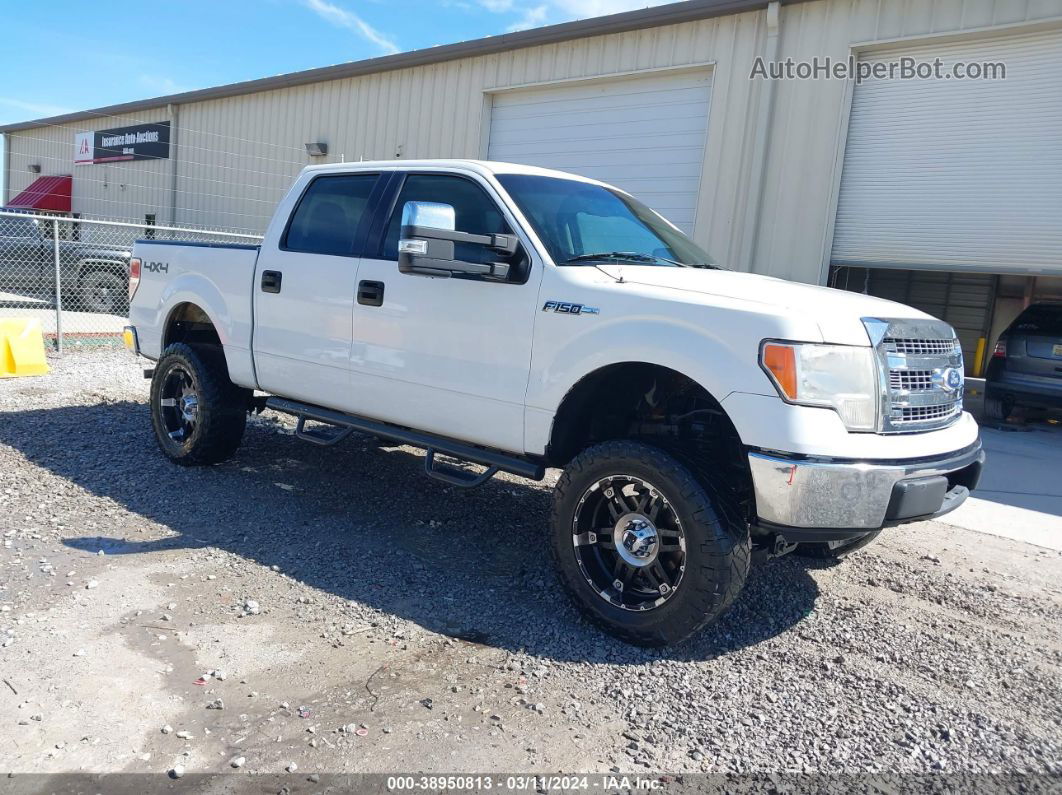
(21,348)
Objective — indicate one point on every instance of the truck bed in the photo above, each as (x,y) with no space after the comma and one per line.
(217,277)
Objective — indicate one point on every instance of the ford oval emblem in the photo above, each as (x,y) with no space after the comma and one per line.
(951,379)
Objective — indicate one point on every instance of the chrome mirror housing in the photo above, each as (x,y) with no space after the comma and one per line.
(429,215)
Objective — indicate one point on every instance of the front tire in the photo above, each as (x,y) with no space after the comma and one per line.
(198,414)
(649,553)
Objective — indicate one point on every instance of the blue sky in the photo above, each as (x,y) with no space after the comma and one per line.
(65,55)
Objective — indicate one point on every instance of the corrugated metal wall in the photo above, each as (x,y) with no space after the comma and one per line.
(808,135)
(442,110)
(237,155)
(115,190)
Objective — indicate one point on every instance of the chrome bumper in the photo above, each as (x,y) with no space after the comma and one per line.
(860,495)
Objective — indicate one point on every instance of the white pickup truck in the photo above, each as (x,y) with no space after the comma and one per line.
(517,319)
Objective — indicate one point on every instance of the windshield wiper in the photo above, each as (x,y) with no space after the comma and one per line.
(623,256)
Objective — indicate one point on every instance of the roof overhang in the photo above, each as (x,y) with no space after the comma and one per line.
(46,193)
(671,14)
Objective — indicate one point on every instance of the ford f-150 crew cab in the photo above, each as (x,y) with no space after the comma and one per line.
(517,319)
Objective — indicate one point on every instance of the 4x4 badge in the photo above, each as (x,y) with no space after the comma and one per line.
(564,308)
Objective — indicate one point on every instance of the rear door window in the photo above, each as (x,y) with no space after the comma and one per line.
(1041,320)
(327,217)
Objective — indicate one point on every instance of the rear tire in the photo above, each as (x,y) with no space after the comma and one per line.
(198,414)
(824,551)
(998,409)
(102,292)
(685,551)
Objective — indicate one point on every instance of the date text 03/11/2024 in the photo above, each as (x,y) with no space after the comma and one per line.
(526,783)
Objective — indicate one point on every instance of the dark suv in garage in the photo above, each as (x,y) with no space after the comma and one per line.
(1026,365)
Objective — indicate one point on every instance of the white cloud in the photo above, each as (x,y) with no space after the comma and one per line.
(341,17)
(161,85)
(580,9)
(38,109)
(551,11)
(533,17)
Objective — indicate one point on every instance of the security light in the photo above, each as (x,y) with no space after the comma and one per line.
(317,149)
(35,168)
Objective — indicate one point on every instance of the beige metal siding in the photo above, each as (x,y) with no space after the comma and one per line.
(114,190)
(806,143)
(439,111)
(964,173)
(237,155)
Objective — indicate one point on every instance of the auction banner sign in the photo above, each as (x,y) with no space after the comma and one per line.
(139,142)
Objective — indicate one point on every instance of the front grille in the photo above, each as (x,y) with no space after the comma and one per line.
(910,380)
(921,360)
(928,413)
(915,347)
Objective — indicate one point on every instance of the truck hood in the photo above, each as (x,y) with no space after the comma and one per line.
(838,313)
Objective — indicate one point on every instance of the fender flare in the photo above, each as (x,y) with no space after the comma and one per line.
(190,288)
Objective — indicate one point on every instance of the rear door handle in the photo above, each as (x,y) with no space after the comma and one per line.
(370,293)
(271,281)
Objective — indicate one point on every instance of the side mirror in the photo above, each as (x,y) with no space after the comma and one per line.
(429,215)
(426,244)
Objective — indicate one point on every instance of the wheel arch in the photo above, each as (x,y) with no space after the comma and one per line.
(188,322)
(633,399)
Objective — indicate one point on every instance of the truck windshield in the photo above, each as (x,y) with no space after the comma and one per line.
(584,224)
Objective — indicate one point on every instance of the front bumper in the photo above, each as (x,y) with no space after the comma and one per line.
(805,497)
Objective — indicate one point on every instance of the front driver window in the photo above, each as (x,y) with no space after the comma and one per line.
(474,211)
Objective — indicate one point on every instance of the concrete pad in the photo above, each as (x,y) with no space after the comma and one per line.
(1020,496)
(75,323)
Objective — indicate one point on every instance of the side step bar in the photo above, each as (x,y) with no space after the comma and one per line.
(494,460)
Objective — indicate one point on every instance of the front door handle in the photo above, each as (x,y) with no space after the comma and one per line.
(370,293)
(271,281)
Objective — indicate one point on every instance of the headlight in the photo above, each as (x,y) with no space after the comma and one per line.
(841,377)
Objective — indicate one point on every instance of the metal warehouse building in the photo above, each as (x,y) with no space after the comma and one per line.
(942,193)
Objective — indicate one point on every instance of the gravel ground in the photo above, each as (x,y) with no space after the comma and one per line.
(362,618)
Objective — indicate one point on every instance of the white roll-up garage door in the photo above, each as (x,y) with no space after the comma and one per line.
(957,173)
(645,135)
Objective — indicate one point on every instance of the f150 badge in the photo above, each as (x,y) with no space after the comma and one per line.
(564,308)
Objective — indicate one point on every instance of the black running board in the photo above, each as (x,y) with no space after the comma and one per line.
(494,460)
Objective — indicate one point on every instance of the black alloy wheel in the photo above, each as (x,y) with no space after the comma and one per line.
(179,405)
(629,542)
(198,414)
(648,550)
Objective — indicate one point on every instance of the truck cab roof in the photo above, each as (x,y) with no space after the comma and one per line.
(484,167)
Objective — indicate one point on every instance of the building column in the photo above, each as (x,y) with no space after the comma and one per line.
(174,111)
(5,194)
(764,119)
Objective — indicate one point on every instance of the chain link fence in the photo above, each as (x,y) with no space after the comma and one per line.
(72,273)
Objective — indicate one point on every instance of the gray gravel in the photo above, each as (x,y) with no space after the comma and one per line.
(365,618)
